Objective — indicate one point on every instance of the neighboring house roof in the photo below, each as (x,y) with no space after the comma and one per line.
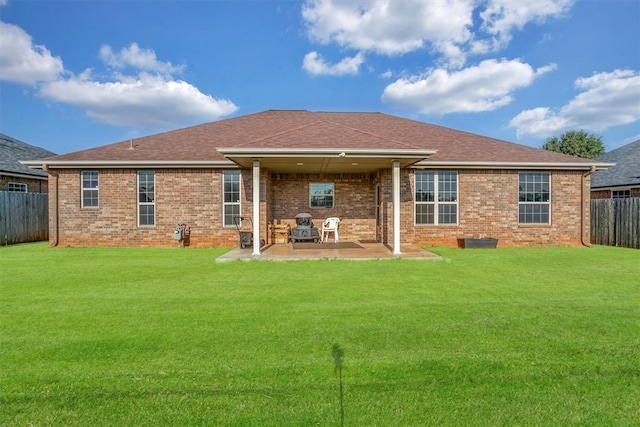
(626,172)
(13,151)
(278,137)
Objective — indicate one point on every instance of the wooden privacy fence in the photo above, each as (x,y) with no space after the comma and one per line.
(616,222)
(24,217)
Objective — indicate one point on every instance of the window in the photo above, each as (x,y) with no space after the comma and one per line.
(89,189)
(321,195)
(621,194)
(19,187)
(146,198)
(534,204)
(436,197)
(231,200)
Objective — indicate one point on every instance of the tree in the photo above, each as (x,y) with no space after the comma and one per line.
(576,143)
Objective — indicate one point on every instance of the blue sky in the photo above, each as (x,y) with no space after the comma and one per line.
(79,74)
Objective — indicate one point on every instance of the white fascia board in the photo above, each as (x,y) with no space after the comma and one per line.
(322,152)
(511,165)
(116,164)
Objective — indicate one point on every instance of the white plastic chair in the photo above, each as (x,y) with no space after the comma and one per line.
(330,225)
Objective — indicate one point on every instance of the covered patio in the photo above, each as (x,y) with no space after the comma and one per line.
(317,251)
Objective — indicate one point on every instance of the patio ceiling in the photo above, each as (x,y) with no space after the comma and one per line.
(324,161)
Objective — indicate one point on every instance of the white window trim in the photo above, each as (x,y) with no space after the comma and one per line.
(82,189)
(535,203)
(155,210)
(238,203)
(333,195)
(619,190)
(13,186)
(436,202)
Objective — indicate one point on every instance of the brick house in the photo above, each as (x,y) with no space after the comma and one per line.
(389,179)
(622,181)
(14,176)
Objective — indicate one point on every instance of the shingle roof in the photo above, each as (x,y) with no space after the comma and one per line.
(301,129)
(12,151)
(625,172)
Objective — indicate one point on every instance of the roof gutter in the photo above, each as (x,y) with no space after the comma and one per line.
(119,164)
(429,164)
(23,175)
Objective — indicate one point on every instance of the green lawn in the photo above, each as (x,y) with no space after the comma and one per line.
(162,337)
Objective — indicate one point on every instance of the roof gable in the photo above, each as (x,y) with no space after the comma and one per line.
(12,151)
(625,172)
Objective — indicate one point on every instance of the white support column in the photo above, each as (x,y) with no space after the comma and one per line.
(395,178)
(256,207)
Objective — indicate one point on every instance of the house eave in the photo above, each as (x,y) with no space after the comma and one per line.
(324,152)
(118,164)
(428,164)
(23,175)
(324,160)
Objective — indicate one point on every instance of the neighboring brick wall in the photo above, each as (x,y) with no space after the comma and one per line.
(601,194)
(606,194)
(488,206)
(33,185)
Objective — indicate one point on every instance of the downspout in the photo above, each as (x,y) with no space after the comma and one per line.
(583,235)
(53,206)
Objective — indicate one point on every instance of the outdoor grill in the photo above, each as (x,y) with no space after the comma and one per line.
(304,229)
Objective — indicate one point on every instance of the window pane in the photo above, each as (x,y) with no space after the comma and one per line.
(424,214)
(147,214)
(146,197)
(447,214)
(232,187)
(231,197)
(89,189)
(90,198)
(534,214)
(425,186)
(17,187)
(230,211)
(436,192)
(321,195)
(447,187)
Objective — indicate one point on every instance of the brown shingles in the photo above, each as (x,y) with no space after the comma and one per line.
(305,129)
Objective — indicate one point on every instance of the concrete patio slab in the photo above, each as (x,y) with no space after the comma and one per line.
(359,251)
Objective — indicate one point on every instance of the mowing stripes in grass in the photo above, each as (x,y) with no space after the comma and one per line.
(544,336)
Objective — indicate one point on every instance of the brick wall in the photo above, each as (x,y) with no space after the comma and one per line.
(354,196)
(33,185)
(190,196)
(606,194)
(488,206)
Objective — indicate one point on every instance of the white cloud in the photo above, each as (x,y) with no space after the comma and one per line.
(484,87)
(139,59)
(145,101)
(149,98)
(606,100)
(388,27)
(501,17)
(23,62)
(315,64)
(445,28)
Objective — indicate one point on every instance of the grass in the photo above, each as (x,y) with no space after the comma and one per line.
(149,337)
